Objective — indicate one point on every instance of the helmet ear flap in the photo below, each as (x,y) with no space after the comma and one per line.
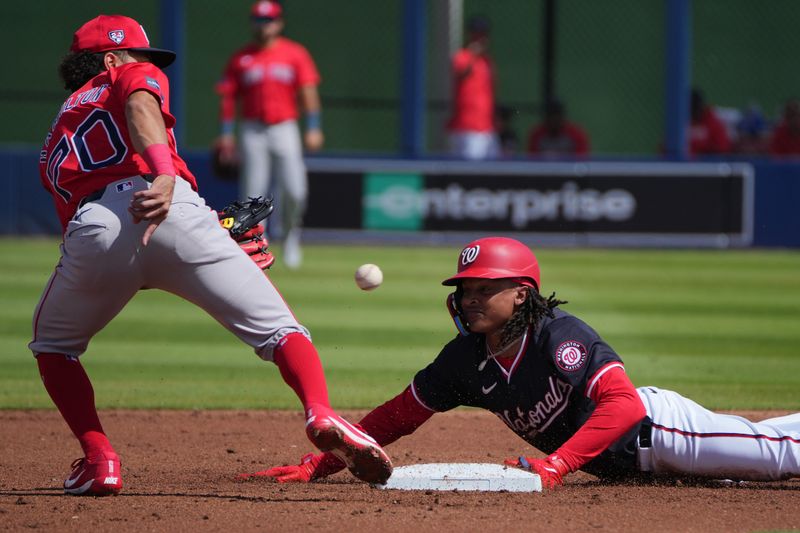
(454,308)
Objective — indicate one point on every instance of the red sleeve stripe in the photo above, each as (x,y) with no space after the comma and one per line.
(414,392)
(597,375)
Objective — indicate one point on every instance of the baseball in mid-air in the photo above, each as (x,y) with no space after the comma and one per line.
(368,277)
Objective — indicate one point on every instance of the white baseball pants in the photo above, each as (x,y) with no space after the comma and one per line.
(103,264)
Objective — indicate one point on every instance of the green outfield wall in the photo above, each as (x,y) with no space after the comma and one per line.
(609,57)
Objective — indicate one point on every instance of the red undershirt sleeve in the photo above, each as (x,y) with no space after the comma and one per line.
(398,417)
(618,408)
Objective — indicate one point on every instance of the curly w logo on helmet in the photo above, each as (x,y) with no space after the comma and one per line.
(470,254)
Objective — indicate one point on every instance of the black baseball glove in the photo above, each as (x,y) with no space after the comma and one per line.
(243,222)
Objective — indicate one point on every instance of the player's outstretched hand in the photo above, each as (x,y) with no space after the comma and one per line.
(551,469)
(152,205)
(302,473)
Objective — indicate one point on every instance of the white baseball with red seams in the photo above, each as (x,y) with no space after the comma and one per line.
(368,277)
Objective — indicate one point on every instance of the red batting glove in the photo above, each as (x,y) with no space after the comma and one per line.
(302,473)
(551,469)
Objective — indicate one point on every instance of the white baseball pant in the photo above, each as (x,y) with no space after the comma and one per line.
(276,149)
(103,264)
(691,440)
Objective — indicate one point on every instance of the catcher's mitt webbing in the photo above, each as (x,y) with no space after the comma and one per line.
(239,217)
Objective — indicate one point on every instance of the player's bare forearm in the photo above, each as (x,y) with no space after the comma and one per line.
(309,99)
(313,139)
(145,121)
(147,129)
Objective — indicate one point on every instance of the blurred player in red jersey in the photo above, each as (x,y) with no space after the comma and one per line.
(707,133)
(133,219)
(471,129)
(559,386)
(267,77)
(556,136)
(785,139)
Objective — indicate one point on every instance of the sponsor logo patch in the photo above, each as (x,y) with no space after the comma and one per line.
(124,186)
(570,355)
(117,36)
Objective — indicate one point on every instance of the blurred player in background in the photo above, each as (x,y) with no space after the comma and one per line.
(506,132)
(471,129)
(785,140)
(133,219)
(556,384)
(267,77)
(555,136)
(707,133)
(752,131)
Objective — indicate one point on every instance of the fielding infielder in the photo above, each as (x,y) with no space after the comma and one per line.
(267,77)
(560,387)
(132,219)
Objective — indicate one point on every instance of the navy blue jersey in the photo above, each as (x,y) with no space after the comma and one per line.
(542,398)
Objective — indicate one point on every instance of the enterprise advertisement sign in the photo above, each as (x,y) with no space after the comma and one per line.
(688,203)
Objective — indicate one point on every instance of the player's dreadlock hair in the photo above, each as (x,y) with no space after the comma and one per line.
(531,312)
(79,67)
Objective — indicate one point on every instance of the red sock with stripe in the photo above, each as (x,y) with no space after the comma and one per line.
(299,364)
(70,389)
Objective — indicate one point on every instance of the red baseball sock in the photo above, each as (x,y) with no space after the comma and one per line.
(299,363)
(70,389)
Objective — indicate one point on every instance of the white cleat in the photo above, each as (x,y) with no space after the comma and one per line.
(292,254)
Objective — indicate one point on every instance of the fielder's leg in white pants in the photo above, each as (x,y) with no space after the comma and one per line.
(277,150)
(688,439)
(474,145)
(103,265)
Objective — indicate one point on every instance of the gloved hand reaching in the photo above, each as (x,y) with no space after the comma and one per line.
(242,220)
(302,473)
(551,469)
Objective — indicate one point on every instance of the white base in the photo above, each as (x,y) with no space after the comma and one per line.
(463,476)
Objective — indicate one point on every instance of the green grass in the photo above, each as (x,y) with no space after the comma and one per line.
(722,327)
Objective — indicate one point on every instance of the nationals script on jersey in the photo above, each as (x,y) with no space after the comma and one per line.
(89,145)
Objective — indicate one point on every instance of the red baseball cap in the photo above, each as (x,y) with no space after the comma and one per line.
(117,32)
(266,10)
